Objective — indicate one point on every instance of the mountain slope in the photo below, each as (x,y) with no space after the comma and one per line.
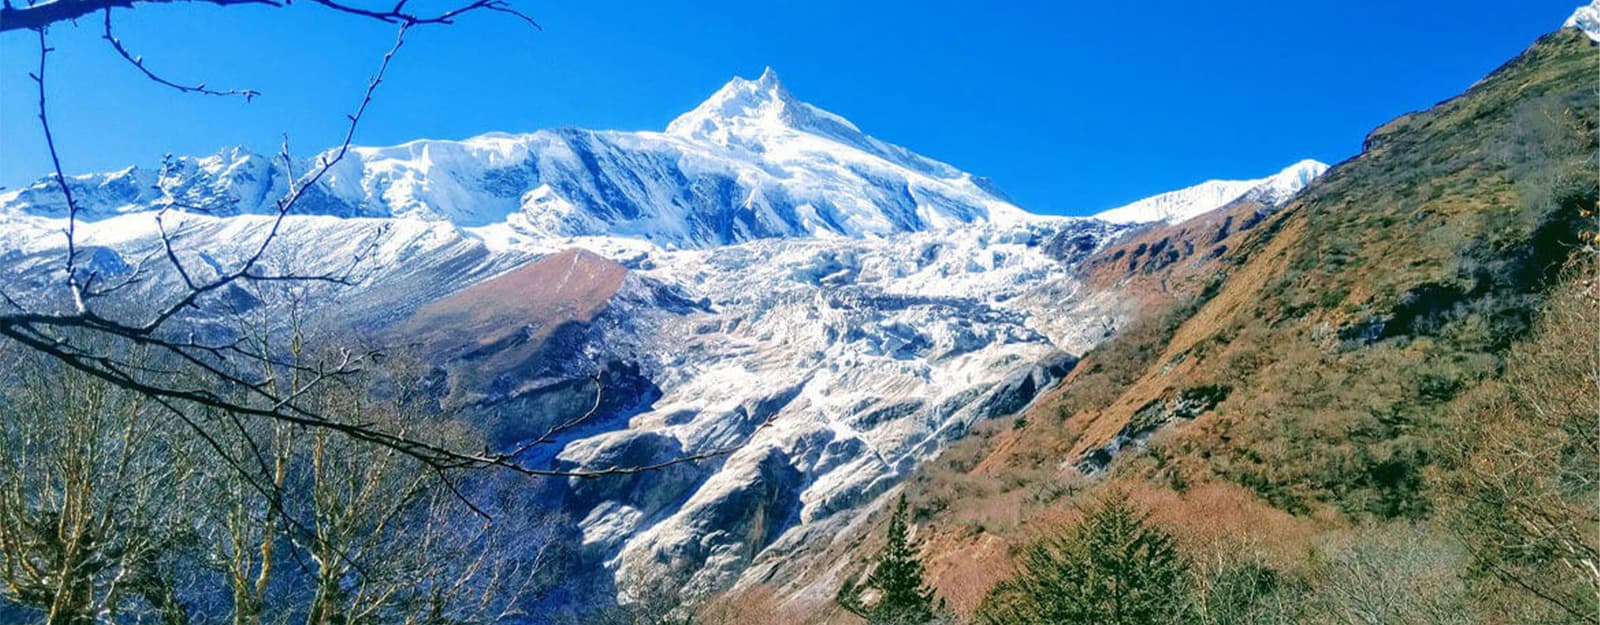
(764,275)
(495,329)
(1306,377)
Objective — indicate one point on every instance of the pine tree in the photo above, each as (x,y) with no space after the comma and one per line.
(1114,568)
(903,597)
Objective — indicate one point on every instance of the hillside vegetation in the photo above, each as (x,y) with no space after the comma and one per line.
(1388,385)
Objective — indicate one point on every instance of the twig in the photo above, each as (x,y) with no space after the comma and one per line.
(37,16)
(138,62)
(61,180)
(398,15)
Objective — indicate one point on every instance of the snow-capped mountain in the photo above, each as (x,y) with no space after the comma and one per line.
(1185,204)
(761,271)
(749,163)
(1587,19)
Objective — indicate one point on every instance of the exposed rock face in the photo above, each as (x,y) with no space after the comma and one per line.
(1185,406)
(495,334)
(834,366)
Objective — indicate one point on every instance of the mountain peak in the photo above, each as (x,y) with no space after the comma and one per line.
(750,162)
(1587,19)
(739,102)
(1294,177)
(1184,204)
(743,108)
(768,77)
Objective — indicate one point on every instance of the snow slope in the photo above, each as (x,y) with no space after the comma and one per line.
(1185,204)
(1587,19)
(751,162)
(866,355)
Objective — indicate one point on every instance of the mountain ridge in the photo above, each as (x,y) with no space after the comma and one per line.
(1312,377)
(750,162)
(759,164)
(1181,205)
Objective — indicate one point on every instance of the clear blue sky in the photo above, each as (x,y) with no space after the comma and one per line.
(1069,108)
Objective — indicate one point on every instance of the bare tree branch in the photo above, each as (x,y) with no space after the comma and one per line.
(398,15)
(138,63)
(61,180)
(37,16)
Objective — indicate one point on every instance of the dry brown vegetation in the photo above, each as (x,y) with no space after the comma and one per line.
(1404,381)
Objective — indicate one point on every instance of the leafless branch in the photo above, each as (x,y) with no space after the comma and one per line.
(43,14)
(61,180)
(138,63)
(40,15)
(398,14)
(549,436)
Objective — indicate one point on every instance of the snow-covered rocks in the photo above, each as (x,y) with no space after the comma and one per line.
(1587,19)
(844,362)
(750,163)
(1185,204)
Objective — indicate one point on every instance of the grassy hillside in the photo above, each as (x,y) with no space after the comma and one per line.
(1329,367)
(1345,330)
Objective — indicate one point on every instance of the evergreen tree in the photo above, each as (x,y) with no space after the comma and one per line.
(1114,568)
(903,597)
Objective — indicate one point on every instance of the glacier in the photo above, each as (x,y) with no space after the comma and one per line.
(837,307)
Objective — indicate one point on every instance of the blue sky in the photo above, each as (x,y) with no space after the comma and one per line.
(1069,108)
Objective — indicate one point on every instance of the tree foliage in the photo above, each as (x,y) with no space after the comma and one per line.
(1113,568)
(903,597)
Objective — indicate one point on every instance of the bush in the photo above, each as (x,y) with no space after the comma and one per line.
(1248,593)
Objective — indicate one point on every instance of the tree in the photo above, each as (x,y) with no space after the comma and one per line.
(1246,592)
(1237,581)
(88,475)
(1389,575)
(1113,568)
(111,512)
(902,596)
(85,324)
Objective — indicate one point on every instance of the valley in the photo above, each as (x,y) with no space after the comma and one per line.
(727,370)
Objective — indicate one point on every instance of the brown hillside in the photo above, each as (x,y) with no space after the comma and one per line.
(500,324)
(1302,378)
